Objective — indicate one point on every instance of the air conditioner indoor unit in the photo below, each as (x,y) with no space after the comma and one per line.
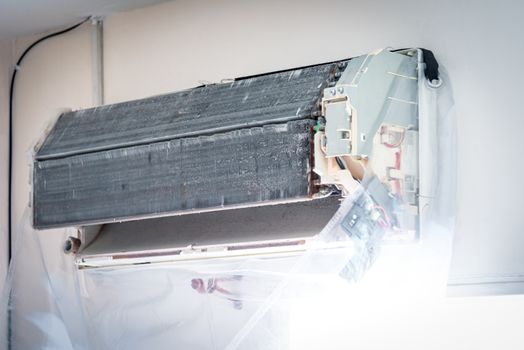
(253,166)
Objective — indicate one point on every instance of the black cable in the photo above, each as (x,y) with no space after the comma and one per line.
(340,163)
(10,147)
(431,72)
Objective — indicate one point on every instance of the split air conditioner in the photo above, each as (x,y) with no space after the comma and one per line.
(255,166)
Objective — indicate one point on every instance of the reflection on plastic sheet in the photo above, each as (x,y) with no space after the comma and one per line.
(216,285)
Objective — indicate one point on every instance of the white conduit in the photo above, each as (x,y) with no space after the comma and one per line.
(97,60)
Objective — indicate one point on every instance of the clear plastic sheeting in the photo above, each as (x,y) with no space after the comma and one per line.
(300,300)
(191,305)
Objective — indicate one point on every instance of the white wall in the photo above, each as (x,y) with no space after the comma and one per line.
(173,45)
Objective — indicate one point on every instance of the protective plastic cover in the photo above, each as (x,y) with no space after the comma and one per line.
(280,302)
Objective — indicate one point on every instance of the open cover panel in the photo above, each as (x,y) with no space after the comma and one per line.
(266,230)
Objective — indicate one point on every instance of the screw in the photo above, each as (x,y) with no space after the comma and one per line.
(333,92)
(340,90)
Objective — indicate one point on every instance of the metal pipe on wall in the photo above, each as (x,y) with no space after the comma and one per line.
(97,60)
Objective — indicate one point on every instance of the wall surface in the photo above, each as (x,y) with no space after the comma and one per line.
(172,46)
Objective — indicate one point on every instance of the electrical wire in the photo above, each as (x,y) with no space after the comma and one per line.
(10,131)
(340,164)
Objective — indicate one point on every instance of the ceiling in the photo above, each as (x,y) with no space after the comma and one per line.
(26,17)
